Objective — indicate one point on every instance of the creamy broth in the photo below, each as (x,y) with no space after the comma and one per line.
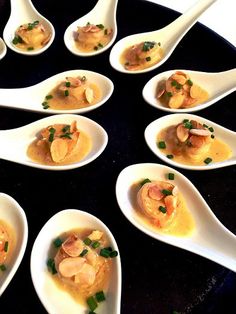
(7,243)
(40,153)
(181,225)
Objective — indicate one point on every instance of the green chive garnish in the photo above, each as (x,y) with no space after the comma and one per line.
(145,181)
(66,128)
(188,125)
(170,156)
(87,241)
(83,253)
(113,254)
(211,129)
(169,94)
(212,136)
(6,246)
(3,267)
(166,192)
(57,242)
(147,45)
(101,26)
(171,176)
(100,296)
(162,209)
(30,48)
(66,92)
(83,78)
(49,97)
(148,59)
(208,160)
(92,303)
(100,45)
(51,136)
(105,32)
(105,252)
(95,244)
(189,82)
(161,145)
(205,125)
(51,266)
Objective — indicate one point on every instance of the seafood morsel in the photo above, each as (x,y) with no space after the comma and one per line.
(179,91)
(31,36)
(59,144)
(6,244)
(72,93)
(142,55)
(191,142)
(162,206)
(92,37)
(81,262)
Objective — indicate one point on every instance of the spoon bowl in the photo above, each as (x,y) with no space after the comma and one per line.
(104,13)
(3,49)
(52,297)
(168,37)
(218,85)
(225,135)
(12,213)
(16,141)
(210,238)
(31,98)
(23,12)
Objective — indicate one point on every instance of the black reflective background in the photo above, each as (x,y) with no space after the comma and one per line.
(156,278)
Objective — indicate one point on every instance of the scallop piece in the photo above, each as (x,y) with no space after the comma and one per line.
(58,149)
(70,266)
(89,95)
(176,101)
(200,132)
(73,246)
(182,133)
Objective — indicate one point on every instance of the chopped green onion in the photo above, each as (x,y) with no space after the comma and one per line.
(100,45)
(208,160)
(101,26)
(105,31)
(188,125)
(66,93)
(100,296)
(49,97)
(17,40)
(87,241)
(57,242)
(211,129)
(67,84)
(3,267)
(162,209)
(170,156)
(159,44)
(105,252)
(185,120)
(91,312)
(6,246)
(66,135)
(95,48)
(45,105)
(51,136)
(66,128)
(205,125)
(145,181)
(161,144)
(169,94)
(189,82)
(148,59)
(83,253)
(83,78)
(212,136)
(113,254)
(51,266)
(171,176)
(92,303)
(30,48)
(95,244)
(147,45)
(166,192)
(32,25)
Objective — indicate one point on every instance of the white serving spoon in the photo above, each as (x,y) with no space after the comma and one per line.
(32,97)
(218,85)
(169,37)
(15,142)
(209,239)
(54,299)
(3,49)
(104,13)
(23,12)
(225,135)
(12,214)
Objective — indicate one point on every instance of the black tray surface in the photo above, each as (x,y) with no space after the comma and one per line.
(156,278)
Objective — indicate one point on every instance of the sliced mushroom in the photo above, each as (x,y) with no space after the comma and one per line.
(70,266)
(182,133)
(58,149)
(73,246)
(200,132)
(89,95)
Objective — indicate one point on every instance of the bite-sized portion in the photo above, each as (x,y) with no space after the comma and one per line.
(142,55)
(6,244)
(72,93)
(31,36)
(179,91)
(92,37)
(82,262)
(158,201)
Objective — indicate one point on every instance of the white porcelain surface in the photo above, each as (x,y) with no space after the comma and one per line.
(225,135)
(55,300)
(12,213)
(3,49)
(210,239)
(22,12)
(104,13)
(169,37)
(32,97)
(16,141)
(218,85)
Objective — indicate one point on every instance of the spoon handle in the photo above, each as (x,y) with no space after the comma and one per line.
(184,22)
(20,7)
(16,98)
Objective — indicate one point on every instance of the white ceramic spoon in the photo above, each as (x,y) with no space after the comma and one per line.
(209,239)
(12,213)
(218,85)
(15,142)
(3,49)
(104,13)
(23,12)
(225,135)
(169,37)
(55,300)
(32,97)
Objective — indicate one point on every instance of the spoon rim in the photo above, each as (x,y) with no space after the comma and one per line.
(56,229)
(156,124)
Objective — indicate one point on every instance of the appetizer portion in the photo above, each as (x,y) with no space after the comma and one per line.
(72,93)
(59,144)
(162,206)
(7,241)
(179,91)
(31,36)
(191,142)
(92,37)
(81,264)
(142,55)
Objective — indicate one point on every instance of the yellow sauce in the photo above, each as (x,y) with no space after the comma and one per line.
(181,225)
(218,151)
(40,154)
(78,292)
(88,47)
(7,234)
(61,102)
